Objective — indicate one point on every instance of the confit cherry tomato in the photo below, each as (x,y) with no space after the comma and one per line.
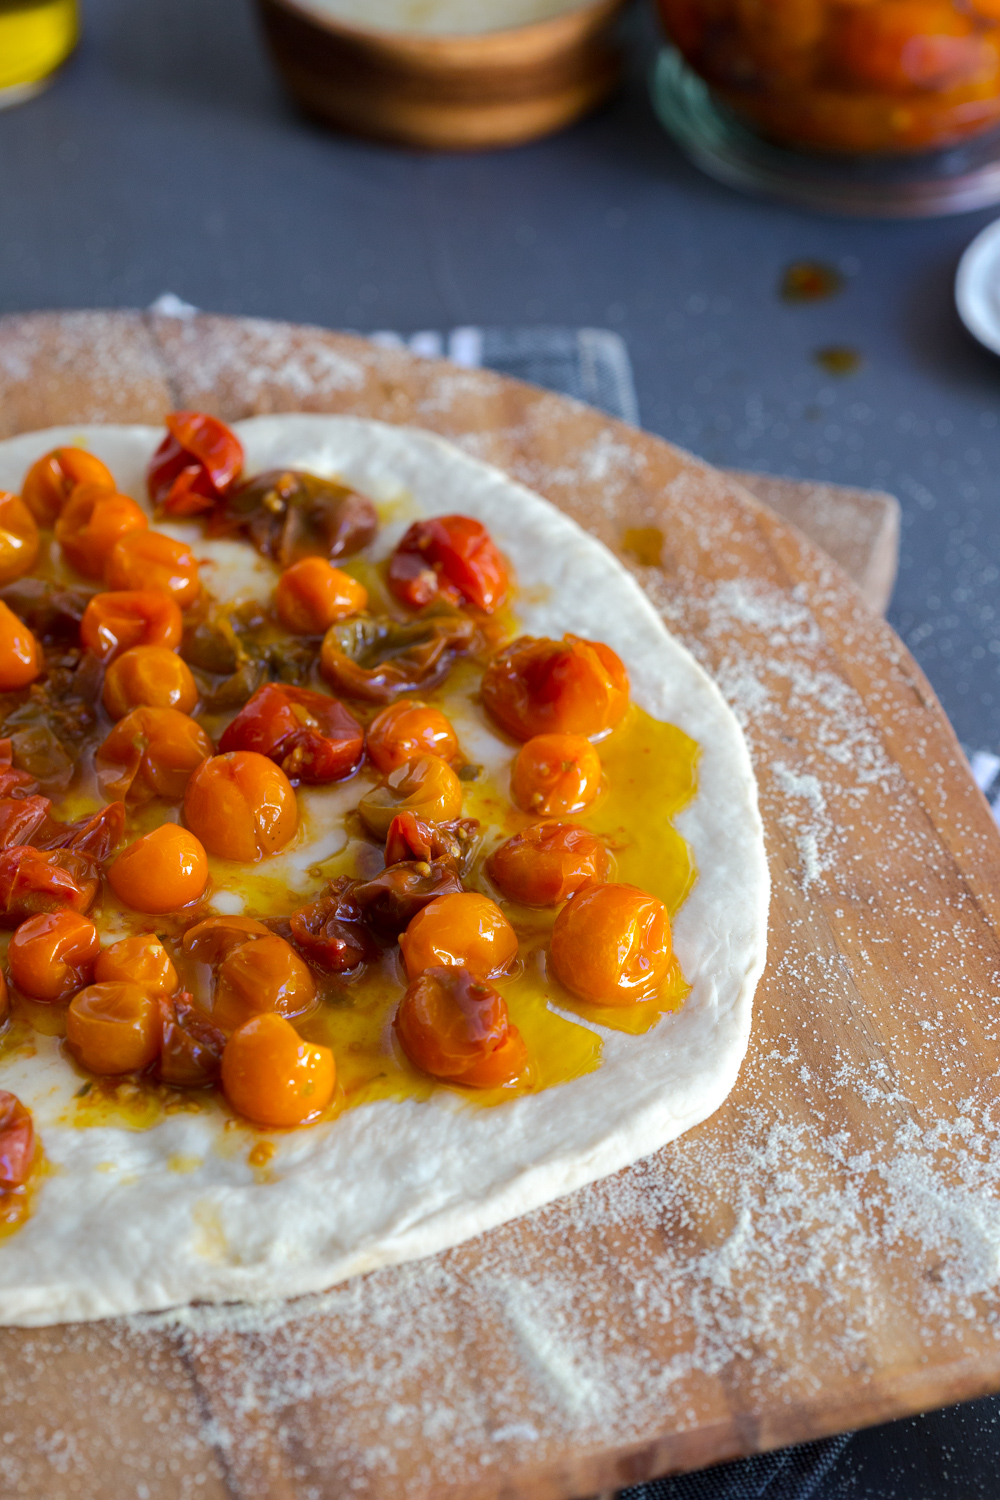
(191,1053)
(19,540)
(114,1028)
(150,560)
(452,558)
(210,941)
(20,654)
(17,1143)
(162,871)
(329,932)
(273,1077)
(378,659)
(572,686)
(53,954)
(51,480)
(91,522)
(139,959)
(312,595)
(413,838)
(241,805)
(408,729)
(312,737)
(544,865)
(38,880)
(611,944)
(555,774)
(151,752)
(262,974)
(195,464)
(457,1028)
(464,931)
(114,622)
(425,786)
(149,677)
(95,835)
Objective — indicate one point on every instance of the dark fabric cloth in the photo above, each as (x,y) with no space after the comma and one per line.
(790,1474)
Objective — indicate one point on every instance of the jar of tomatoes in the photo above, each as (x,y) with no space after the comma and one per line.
(849,76)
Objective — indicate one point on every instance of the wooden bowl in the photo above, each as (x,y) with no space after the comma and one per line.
(458,93)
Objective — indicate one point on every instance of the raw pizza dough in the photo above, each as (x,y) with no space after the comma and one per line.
(131,1221)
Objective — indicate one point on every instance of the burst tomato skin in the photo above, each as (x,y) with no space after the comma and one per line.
(611,944)
(405,730)
(273,1077)
(139,959)
(149,677)
(191,1053)
(241,805)
(194,466)
(114,1028)
(117,620)
(163,871)
(262,975)
(150,560)
(20,654)
(465,930)
(151,752)
(544,865)
(312,595)
(312,738)
(555,775)
(425,786)
(17,1143)
(538,686)
(37,880)
(452,558)
(53,954)
(456,1028)
(51,480)
(329,931)
(215,938)
(91,522)
(19,540)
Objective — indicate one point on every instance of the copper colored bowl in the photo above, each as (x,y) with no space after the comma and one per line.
(469,92)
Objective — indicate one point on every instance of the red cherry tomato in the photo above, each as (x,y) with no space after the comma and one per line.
(456,1028)
(452,558)
(194,465)
(34,880)
(538,686)
(311,737)
(329,931)
(17,1143)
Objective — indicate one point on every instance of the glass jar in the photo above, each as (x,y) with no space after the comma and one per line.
(849,76)
(36,36)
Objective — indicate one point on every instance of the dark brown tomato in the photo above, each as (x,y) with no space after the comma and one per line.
(191,1056)
(376,658)
(14,782)
(329,933)
(289,514)
(391,899)
(312,738)
(52,614)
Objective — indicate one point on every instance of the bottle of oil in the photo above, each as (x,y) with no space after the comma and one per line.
(35,37)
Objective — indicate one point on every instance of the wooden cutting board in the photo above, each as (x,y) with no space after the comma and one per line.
(823,1253)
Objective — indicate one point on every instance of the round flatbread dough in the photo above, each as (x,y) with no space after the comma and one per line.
(138,1220)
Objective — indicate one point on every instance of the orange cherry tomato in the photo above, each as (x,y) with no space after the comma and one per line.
(544,865)
(151,752)
(273,1077)
(149,677)
(195,464)
(51,480)
(452,558)
(210,941)
(19,541)
(312,595)
(611,944)
(150,560)
(91,522)
(53,954)
(34,880)
(116,621)
(162,871)
(262,974)
(17,1143)
(191,1054)
(406,730)
(140,959)
(20,654)
(570,686)
(456,1028)
(241,805)
(555,774)
(425,786)
(466,931)
(114,1028)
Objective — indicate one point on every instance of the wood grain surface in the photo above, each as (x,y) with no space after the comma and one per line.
(823,1253)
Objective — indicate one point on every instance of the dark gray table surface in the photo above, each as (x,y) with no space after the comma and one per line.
(166,158)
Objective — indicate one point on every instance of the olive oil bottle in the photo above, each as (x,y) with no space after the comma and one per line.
(35,37)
